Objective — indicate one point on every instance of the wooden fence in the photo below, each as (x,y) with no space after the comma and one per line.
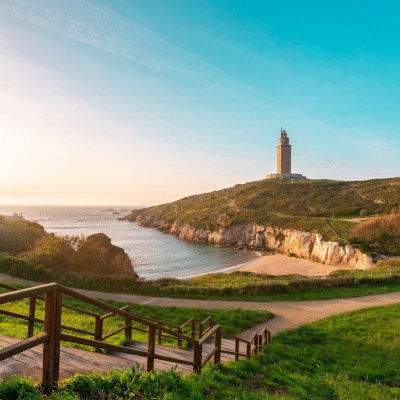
(195,334)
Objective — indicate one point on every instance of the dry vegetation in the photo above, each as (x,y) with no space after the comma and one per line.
(381,234)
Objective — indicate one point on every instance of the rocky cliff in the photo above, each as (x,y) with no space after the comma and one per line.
(308,245)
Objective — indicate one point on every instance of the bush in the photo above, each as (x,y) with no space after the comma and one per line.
(312,284)
(17,388)
(18,236)
(25,269)
(380,234)
(378,280)
(94,254)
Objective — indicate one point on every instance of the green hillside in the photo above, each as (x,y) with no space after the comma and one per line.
(286,204)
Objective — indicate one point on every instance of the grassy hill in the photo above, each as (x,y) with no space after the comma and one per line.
(298,205)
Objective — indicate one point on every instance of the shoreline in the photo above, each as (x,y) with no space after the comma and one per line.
(274,264)
(225,270)
(279,264)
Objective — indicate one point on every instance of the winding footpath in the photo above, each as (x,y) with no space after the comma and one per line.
(288,314)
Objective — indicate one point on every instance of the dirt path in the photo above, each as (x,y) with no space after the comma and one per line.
(288,314)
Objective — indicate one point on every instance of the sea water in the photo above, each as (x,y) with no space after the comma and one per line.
(153,254)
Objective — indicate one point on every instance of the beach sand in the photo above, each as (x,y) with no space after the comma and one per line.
(277,264)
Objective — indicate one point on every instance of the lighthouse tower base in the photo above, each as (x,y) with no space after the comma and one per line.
(285,176)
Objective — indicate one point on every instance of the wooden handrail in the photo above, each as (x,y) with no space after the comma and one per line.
(209,334)
(229,335)
(207,358)
(208,319)
(113,333)
(28,292)
(53,335)
(189,321)
(103,345)
(163,322)
(24,345)
(8,287)
(68,307)
(41,321)
(133,317)
(111,314)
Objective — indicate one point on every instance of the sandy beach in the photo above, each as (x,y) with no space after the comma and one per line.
(277,264)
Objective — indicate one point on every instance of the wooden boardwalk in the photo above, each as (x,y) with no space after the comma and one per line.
(42,355)
(76,361)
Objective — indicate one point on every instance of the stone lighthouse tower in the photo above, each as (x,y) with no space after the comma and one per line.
(284,157)
(284,160)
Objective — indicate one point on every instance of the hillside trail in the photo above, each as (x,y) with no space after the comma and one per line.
(288,314)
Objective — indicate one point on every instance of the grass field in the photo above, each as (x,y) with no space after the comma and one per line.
(352,356)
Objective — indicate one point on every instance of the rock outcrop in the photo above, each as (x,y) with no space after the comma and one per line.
(308,245)
(98,255)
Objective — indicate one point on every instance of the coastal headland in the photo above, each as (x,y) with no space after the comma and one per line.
(308,219)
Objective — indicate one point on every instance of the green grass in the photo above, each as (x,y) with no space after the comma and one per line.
(353,356)
(276,203)
(316,294)
(231,321)
(247,286)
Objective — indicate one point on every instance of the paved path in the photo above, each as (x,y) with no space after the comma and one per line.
(288,314)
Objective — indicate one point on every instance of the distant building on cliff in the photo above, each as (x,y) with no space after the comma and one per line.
(284,160)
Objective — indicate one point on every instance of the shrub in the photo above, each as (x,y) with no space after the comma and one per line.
(381,234)
(17,388)
(94,254)
(381,279)
(18,236)
(310,284)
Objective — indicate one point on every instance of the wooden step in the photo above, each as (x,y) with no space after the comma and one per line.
(73,361)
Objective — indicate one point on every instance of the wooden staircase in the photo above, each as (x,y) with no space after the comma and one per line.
(189,347)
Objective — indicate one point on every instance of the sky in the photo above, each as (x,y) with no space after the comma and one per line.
(142,102)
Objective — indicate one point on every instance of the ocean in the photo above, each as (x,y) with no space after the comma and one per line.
(153,254)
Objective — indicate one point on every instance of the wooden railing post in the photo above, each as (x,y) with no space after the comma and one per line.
(159,332)
(98,330)
(197,353)
(51,348)
(200,330)
(128,329)
(32,312)
(151,347)
(179,338)
(218,343)
(248,350)
(268,337)
(237,349)
(193,330)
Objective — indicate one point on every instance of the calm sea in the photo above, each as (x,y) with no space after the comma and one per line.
(154,254)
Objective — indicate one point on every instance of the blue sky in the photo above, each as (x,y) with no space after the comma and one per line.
(146,101)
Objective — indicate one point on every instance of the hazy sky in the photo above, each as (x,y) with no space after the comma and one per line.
(146,101)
